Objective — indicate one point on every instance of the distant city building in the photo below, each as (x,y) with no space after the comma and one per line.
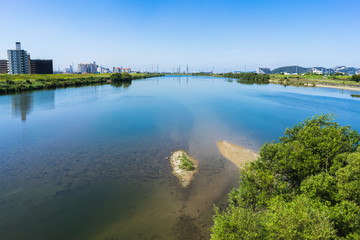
(88,67)
(263,71)
(101,69)
(121,70)
(4,67)
(41,66)
(18,60)
(128,70)
(317,71)
(69,70)
(116,70)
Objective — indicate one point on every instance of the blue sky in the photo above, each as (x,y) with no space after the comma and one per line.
(225,35)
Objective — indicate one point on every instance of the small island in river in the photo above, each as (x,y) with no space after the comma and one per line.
(184,167)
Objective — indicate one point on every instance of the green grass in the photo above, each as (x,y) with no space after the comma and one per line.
(312,80)
(24,82)
(186,163)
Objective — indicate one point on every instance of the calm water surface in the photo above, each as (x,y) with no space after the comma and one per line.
(90,162)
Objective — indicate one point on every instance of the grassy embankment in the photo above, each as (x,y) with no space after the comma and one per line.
(24,82)
(314,80)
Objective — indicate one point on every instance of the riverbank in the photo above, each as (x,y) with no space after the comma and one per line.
(238,155)
(10,84)
(338,82)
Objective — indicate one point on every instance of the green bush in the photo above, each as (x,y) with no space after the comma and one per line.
(355,78)
(186,163)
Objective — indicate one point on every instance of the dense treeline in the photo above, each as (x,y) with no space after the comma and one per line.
(124,77)
(247,78)
(305,186)
(355,78)
(24,82)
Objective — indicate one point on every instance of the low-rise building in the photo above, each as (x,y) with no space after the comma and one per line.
(41,66)
(317,71)
(4,68)
(121,70)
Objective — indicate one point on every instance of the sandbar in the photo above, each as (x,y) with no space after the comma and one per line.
(238,155)
(185,177)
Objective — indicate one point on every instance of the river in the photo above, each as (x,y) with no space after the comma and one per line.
(91,162)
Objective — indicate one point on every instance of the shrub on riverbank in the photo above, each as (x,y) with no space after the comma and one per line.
(355,78)
(305,186)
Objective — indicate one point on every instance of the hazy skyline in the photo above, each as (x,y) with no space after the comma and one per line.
(225,34)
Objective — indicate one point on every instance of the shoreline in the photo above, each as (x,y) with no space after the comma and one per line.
(297,83)
(339,87)
(14,84)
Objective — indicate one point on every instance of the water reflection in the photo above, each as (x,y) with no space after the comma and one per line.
(24,104)
(123,84)
(253,81)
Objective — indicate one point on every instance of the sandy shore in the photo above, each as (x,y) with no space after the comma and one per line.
(339,87)
(321,85)
(237,154)
(184,176)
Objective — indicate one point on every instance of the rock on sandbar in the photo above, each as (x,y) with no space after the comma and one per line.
(237,154)
(184,176)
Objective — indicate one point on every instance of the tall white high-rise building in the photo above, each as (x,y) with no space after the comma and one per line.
(18,60)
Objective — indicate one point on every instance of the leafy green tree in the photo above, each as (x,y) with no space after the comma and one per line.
(126,76)
(116,77)
(355,78)
(238,223)
(321,187)
(348,179)
(300,218)
(307,149)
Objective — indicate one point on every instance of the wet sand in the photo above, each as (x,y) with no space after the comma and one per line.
(238,155)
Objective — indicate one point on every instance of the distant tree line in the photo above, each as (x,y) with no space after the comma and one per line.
(249,77)
(245,78)
(25,82)
(305,186)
